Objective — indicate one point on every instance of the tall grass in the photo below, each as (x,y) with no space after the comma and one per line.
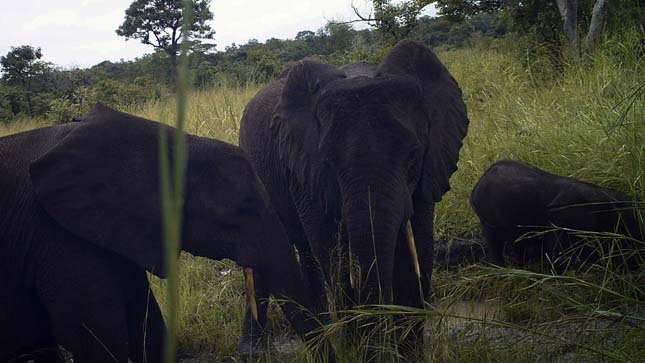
(172,189)
(576,124)
(213,113)
(583,120)
(22,125)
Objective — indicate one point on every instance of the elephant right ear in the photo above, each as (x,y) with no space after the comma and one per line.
(445,107)
(101,183)
(295,125)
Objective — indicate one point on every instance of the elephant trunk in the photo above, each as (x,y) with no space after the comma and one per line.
(374,210)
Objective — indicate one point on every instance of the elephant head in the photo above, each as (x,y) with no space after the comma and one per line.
(101,183)
(371,143)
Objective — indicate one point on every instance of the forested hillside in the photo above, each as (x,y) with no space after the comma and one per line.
(31,87)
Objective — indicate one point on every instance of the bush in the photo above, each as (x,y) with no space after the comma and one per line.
(61,110)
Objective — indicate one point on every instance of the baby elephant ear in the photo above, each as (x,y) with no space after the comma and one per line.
(448,119)
(101,183)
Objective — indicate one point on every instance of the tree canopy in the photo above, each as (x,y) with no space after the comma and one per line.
(394,20)
(31,87)
(19,68)
(159,23)
(551,20)
(20,64)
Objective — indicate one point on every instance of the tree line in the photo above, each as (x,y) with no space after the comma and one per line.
(31,87)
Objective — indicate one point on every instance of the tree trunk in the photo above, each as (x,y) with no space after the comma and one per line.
(569,13)
(597,19)
(173,66)
(29,95)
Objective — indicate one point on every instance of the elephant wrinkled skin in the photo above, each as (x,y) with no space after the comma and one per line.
(530,214)
(369,146)
(81,223)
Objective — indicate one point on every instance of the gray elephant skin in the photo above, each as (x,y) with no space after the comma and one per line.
(527,213)
(369,147)
(80,225)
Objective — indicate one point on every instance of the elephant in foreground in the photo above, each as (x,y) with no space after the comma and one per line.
(529,214)
(80,224)
(369,147)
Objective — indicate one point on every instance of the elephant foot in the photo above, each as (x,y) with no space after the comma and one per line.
(253,346)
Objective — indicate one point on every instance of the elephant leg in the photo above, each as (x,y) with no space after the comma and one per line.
(91,337)
(146,328)
(85,302)
(26,333)
(496,239)
(321,237)
(317,270)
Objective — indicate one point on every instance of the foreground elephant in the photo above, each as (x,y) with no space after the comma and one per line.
(80,224)
(369,146)
(513,198)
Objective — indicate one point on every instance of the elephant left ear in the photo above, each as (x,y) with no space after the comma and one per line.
(101,183)
(448,119)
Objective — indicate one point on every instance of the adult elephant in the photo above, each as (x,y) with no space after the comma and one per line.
(369,146)
(530,214)
(80,225)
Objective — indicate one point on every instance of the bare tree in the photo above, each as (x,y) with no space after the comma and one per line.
(598,17)
(569,13)
(393,19)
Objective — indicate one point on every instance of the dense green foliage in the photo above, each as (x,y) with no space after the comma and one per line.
(540,18)
(41,89)
(61,94)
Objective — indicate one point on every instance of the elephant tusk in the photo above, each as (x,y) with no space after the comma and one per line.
(352,282)
(250,290)
(413,248)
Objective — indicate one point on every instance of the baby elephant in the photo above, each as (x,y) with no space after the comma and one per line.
(533,214)
(80,224)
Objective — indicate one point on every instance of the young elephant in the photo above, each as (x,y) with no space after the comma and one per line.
(80,224)
(515,200)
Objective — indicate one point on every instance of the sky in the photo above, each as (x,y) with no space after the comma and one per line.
(81,33)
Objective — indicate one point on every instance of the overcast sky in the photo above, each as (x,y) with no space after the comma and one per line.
(81,33)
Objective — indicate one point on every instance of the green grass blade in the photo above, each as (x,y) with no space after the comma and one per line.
(172,185)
